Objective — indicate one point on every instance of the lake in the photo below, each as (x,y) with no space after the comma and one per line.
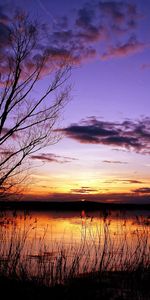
(74,242)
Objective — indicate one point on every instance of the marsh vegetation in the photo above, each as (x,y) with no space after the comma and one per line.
(28,252)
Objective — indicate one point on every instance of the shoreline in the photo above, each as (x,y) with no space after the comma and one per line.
(70,206)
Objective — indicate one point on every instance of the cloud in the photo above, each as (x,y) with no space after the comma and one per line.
(131,135)
(63,35)
(108,26)
(114,162)
(132,46)
(92,34)
(126,181)
(120,12)
(132,181)
(4,33)
(4,42)
(50,158)
(145,66)
(83,190)
(90,29)
(114,10)
(85,16)
(4,29)
(4,19)
(144,190)
(6,152)
(102,20)
(6,130)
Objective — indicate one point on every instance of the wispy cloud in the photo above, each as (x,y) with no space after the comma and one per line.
(6,130)
(143,190)
(132,46)
(6,153)
(145,66)
(83,190)
(124,181)
(50,158)
(114,162)
(131,135)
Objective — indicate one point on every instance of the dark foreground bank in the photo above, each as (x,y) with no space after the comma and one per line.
(106,286)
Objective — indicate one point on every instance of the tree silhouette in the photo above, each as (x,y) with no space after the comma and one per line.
(33,91)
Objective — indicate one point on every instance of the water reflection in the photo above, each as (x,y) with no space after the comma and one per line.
(69,226)
(67,243)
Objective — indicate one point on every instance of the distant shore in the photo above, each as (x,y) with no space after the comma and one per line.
(70,206)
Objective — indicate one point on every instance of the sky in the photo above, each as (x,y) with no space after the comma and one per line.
(104,153)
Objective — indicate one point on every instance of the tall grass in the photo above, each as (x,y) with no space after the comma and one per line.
(97,252)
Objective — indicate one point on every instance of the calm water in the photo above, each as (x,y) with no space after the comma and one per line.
(84,238)
(69,227)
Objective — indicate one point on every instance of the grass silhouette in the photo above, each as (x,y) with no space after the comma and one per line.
(101,265)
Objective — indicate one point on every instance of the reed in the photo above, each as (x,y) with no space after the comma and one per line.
(96,254)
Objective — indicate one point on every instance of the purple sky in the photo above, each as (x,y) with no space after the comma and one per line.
(106,126)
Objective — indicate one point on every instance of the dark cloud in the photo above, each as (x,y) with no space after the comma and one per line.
(89,27)
(92,34)
(50,158)
(76,38)
(114,162)
(131,135)
(4,29)
(121,141)
(85,16)
(4,19)
(83,190)
(144,190)
(114,23)
(4,34)
(45,46)
(4,42)
(110,24)
(133,181)
(103,20)
(56,54)
(126,181)
(114,10)
(120,12)
(63,36)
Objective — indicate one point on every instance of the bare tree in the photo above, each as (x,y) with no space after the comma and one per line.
(29,105)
